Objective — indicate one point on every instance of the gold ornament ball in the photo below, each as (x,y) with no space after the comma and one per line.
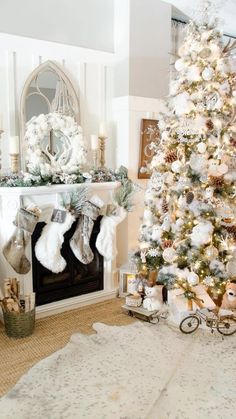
(211,252)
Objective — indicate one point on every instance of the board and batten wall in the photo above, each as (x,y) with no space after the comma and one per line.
(90,70)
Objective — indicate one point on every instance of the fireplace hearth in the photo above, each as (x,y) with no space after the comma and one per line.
(75,280)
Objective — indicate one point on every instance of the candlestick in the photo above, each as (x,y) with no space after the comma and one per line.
(94,142)
(102,150)
(14,145)
(14,162)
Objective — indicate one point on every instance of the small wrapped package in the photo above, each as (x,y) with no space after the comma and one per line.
(181,306)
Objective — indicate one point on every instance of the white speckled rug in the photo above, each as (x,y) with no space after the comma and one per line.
(138,371)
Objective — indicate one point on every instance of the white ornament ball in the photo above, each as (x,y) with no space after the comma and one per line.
(207,73)
(169,254)
(201,148)
(176,166)
(192,278)
(180,64)
(211,252)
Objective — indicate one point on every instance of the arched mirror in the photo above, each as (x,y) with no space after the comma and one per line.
(49,116)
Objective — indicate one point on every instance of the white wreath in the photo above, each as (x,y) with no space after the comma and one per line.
(70,158)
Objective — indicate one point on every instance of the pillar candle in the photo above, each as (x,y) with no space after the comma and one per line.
(14,145)
(94,142)
(1,126)
(102,129)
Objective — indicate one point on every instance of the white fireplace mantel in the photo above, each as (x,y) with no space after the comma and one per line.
(48,197)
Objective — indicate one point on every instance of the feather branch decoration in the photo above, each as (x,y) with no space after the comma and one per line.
(123,196)
(75,201)
(229,47)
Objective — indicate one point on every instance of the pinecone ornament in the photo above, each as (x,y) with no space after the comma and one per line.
(171,156)
(189,197)
(232,231)
(209,124)
(217,181)
(165,206)
(233,142)
(166,243)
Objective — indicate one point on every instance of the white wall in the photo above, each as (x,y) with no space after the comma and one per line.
(150,36)
(84,23)
(90,70)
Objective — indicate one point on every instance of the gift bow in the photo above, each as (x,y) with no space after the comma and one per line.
(190,294)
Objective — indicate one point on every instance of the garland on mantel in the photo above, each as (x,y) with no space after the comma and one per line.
(26,179)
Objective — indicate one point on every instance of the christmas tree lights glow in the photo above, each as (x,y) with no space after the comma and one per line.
(189,224)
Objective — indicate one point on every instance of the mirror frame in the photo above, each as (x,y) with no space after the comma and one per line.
(59,70)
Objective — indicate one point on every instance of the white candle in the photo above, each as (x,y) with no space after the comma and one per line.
(94,142)
(102,129)
(1,126)
(14,145)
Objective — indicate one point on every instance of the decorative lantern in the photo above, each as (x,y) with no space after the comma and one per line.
(128,281)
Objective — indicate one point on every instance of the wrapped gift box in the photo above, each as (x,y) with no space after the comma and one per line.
(179,304)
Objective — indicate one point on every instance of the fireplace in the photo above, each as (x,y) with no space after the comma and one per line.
(79,284)
(76,279)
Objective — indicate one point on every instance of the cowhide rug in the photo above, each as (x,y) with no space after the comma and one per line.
(130,372)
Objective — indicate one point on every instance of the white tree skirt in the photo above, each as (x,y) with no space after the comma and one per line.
(130,372)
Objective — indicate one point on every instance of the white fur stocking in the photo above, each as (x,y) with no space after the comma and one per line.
(48,246)
(105,242)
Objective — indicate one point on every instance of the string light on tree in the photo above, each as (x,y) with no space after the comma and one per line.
(194,164)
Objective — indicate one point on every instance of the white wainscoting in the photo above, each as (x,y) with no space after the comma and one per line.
(90,70)
(127,114)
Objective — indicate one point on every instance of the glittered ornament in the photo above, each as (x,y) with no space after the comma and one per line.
(169,254)
(192,278)
(205,53)
(211,252)
(207,73)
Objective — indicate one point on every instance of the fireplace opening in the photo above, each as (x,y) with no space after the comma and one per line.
(76,279)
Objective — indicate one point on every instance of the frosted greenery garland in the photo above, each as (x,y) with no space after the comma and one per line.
(37,179)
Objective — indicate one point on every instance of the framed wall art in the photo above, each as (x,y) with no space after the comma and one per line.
(149,133)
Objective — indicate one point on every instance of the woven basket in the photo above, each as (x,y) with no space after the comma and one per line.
(19,325)
(133,301)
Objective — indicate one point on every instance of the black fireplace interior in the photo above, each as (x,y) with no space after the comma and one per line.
(76,279)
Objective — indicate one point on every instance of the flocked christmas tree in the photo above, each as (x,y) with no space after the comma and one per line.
(189,224)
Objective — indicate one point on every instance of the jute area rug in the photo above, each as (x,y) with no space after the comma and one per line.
(137,371)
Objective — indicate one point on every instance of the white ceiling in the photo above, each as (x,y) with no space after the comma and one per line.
(183,8)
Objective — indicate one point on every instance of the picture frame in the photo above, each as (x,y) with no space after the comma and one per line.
(149,133)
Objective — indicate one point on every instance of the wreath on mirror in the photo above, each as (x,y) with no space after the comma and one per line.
(69,154)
